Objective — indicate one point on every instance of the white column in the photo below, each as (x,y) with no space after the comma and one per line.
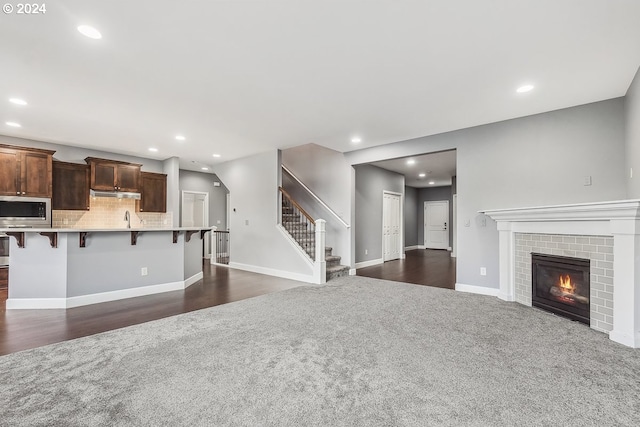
(626,282)
(507,285)
(320,266)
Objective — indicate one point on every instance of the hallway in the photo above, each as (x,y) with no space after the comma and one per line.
(429,267)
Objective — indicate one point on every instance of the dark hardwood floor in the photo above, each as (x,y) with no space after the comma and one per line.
(25,329)
(427,267)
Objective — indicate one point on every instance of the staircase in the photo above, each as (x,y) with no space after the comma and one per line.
(334,269)
(302,228)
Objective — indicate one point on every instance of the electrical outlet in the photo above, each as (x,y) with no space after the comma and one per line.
(587,180)
(65,221)
(483,271)
(366,251)
(144,271)
(630,172)
(218,222)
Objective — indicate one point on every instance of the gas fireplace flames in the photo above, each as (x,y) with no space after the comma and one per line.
(565,290)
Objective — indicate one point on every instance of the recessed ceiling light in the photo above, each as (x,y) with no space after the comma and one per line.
(422,175)
(154,150)
(525,89)
(204,168)
(180,137)
(216,155)
(13,124)
(90,32)
(431,182)
(17,101)
(411,162)
(356,140)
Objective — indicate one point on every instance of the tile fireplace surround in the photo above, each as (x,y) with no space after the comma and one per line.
(577,225)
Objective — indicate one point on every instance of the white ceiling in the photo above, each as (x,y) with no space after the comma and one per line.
(241,77)
(438,168)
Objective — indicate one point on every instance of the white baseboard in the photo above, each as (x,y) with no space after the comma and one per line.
(422,247)
(272,272)
(630,340)
(411,248)
(193,279)
(369,263)
(352,272)
(49,303)
(35,303)
(461,287)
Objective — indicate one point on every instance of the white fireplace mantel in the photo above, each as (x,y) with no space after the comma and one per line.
(620,219)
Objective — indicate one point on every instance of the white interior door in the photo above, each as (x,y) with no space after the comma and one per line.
(391,227)
(195,213)
(436,226)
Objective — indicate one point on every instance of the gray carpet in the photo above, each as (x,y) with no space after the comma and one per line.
(357,351)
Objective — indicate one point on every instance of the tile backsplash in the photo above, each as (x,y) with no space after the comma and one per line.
(106,212)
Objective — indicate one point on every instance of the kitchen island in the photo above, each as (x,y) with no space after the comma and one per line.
(66,267)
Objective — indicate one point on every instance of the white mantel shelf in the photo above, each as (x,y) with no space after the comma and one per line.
(599,211)
(620,219)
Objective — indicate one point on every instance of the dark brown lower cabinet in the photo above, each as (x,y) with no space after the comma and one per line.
(70,186)
(153,196)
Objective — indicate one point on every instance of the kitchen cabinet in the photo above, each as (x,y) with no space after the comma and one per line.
(70,186)
(154,193)
(25,171)
(112,175)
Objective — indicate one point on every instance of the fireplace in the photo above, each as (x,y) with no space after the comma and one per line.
(561,285)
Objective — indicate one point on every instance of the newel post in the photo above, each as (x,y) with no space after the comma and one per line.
(320,266)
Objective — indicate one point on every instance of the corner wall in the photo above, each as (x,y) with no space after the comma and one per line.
(257,244)
(632,135)
(411,216)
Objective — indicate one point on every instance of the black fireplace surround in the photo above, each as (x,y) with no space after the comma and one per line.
(561,285)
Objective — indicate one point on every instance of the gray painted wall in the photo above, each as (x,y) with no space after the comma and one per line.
(433,195)
(255,239)
(371,181)
(70,154)
(108,263)
(325,172)
(193,254)
(632,124)
(531,161)
(203,182)
(410,216)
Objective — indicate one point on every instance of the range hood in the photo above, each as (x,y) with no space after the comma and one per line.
(115,194)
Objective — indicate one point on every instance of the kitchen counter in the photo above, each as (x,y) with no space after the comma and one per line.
(98,230)
(70,267)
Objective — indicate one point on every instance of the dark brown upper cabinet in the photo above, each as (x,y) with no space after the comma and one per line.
(112,175)
(25,171)
(154,193)
(70,186)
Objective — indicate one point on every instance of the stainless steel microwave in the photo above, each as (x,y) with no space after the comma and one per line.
(19,212)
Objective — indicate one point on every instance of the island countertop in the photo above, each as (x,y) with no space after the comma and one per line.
(98,230)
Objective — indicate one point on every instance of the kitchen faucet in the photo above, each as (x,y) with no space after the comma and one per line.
(127,217)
